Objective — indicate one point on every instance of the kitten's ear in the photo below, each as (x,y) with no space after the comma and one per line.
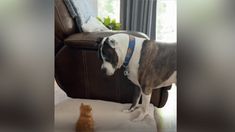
(90,107)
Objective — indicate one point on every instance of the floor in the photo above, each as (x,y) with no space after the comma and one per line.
(168,114)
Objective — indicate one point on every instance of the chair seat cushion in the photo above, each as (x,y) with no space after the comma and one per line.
(108,116)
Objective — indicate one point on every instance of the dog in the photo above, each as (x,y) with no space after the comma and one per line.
(148,64)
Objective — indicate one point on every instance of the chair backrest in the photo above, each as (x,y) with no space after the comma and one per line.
(74,71)
(64,23)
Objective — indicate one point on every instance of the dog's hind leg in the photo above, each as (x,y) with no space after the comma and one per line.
(136,99)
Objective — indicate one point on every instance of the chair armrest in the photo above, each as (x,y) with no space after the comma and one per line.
(88,40)
(164,96)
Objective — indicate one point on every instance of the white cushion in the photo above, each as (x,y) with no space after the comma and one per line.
(84,10)
(94,25)
(108,116)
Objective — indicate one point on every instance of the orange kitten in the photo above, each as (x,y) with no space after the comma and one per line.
(85,122)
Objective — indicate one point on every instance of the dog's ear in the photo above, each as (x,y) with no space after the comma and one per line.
(99,49)
(99,52)
(99,40)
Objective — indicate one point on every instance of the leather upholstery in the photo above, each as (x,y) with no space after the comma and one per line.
(78,74)
(88,40)
(64,23)
(77,66)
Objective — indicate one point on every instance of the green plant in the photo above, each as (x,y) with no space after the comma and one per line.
(110,23)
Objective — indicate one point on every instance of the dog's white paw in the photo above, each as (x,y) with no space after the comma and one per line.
(140,117)
(130,110)
(139,114)
(126,111)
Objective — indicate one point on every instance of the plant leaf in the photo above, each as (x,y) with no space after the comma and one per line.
(117,26)
(107,21)
(99,19)
(113,21)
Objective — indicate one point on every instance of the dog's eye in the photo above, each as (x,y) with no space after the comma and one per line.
(107,59)
(112,41)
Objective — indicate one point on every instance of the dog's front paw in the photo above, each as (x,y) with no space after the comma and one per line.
(140,117)
(126,111)
(131,109)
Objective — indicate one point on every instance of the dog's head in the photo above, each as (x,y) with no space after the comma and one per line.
(108,54)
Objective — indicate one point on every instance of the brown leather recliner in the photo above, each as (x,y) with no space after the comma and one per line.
(77,66)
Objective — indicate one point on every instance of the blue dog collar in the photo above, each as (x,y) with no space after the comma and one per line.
(130,50)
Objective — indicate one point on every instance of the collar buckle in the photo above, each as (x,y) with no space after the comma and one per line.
(126,72)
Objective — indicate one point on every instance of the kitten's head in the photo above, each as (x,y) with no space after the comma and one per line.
(85,109)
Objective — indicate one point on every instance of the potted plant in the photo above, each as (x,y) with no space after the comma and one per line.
(110,23)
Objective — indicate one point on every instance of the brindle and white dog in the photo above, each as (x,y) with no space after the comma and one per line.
(149,64)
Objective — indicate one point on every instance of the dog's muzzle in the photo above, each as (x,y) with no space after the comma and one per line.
(104,70)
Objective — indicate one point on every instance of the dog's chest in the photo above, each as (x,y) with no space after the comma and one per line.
(133,76)
(134,63)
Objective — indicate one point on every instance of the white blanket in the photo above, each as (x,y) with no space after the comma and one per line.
(108,117)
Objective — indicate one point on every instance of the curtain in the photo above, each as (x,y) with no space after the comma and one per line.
(139,15)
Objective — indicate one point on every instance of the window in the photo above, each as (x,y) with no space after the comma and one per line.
(166,32)
(166,20)
(166,17)
(109,8)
